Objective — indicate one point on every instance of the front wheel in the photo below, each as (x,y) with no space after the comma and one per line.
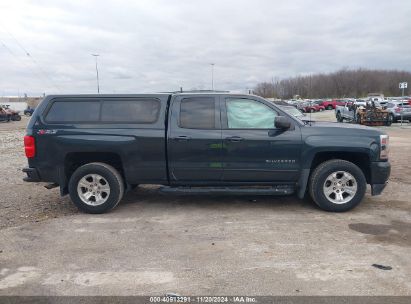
(330,107)
(337,185)
(96,187)
(339,117)
(389,120)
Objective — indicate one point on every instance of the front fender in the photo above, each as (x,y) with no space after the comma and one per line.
(339,144)
(349,144)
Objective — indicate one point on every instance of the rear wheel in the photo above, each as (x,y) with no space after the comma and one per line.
(16,117)
(96,187)
(330,107)
(312,110)
(337,185)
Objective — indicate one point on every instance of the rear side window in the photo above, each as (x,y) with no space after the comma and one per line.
(142,111)
(197,113)
(74,111)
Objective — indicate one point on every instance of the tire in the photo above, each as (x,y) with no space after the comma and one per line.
(103,175)
(389,121)
(358,119)
(339,117)
(16,118)
(330,107)
(312,111)
(393,120)
(27,113)
(320,188)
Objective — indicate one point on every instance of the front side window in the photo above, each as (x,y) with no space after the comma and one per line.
(249,114)
(197,113)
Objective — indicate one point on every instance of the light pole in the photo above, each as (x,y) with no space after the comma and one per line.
(212,76)
(98,83)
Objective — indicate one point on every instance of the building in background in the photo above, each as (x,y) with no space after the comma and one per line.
(19,103)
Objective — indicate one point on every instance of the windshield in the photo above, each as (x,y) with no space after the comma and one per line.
(293,111)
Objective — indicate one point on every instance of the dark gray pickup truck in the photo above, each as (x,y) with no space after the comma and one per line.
(96,147)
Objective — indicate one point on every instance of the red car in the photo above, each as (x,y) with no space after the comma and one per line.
(331,104)
(317,105)
(313,107)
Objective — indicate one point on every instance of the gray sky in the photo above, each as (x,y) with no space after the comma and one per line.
(150,46)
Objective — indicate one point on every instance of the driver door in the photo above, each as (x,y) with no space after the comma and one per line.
(254,150)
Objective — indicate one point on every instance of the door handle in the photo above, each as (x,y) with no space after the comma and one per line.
(182,138)
(234,138)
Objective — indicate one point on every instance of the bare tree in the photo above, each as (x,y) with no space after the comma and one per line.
(342,83)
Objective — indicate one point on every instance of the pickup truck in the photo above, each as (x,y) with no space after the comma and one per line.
(332,104)
(97,147)
(345,111)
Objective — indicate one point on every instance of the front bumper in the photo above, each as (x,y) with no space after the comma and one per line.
(405,116)
(376,189)
(32,175)
(380,172)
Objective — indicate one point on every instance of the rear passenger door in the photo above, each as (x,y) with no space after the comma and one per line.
(194,140)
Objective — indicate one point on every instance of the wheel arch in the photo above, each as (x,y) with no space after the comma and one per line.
(360,159)
(74,160)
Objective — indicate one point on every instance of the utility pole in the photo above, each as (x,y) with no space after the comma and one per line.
(98,83)
(403,85)
(212,76)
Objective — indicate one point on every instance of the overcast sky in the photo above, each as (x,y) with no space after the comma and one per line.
(151,46)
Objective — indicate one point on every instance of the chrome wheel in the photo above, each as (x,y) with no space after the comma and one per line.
(93,189)
(340,187)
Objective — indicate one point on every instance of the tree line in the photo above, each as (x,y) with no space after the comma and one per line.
(343,83)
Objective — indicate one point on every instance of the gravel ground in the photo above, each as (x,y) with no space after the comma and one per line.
(22,202)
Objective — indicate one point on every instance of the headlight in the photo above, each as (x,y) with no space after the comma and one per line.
(384,148)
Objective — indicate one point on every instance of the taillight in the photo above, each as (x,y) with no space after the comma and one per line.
(29,146)
(384,148)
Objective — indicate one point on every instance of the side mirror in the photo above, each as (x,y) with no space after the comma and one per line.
(282,122)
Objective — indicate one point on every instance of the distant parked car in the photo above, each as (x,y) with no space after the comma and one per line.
(308,107)
(397,109)
(318,105)
(14,115)
(331,104)
(29,111)
(360,102)
(305,107)
(4,116)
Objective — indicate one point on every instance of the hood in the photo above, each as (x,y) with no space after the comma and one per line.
(328,124)
(343,128)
